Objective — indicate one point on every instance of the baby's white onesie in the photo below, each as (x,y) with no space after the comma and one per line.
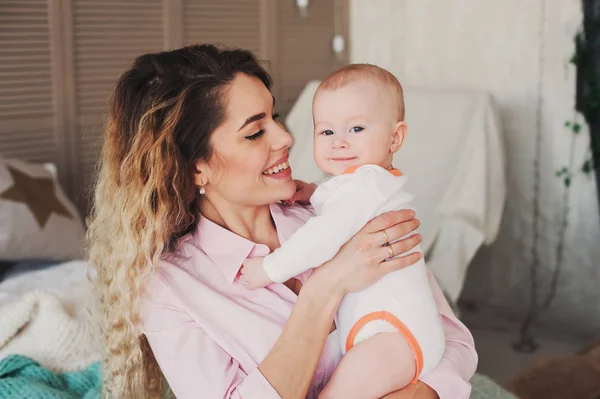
(402,300)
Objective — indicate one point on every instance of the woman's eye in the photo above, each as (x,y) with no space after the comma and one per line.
(256,135)
(356,129)
(327,132)
(275,116)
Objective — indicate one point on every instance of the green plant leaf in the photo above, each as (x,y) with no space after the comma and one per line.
(567,181)
(587,167)
(567,123)
(573,59)
(576,128)
(562,172)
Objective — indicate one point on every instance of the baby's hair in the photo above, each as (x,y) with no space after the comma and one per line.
(353,72)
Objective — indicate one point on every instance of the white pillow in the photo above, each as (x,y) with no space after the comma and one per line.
(37,220)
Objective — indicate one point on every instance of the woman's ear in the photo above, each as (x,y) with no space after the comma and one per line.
(400,131)
(201,173)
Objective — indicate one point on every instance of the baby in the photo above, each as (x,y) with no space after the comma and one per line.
(391,332)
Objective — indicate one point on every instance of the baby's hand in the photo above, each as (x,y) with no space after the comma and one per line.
(253,273)
(303,193)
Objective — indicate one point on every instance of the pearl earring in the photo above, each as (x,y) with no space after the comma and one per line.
(202,190)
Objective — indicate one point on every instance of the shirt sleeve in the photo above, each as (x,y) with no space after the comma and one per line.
(450,378)
(193,364)
(346,207)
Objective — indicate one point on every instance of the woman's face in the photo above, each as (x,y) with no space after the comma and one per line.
(249,165)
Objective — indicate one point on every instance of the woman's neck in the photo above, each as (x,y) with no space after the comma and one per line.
(251,222)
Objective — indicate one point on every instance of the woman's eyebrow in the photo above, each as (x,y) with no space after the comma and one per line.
(253,118)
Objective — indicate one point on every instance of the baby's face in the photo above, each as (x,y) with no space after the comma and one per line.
(354,125)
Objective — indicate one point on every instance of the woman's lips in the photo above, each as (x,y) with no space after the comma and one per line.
(279,171)
(282,174)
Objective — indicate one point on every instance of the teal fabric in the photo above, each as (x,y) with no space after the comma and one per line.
(24,378)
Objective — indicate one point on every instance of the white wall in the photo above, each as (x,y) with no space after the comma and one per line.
(519,51)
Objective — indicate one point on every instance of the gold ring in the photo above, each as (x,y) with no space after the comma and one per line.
(385,236)
(391,251)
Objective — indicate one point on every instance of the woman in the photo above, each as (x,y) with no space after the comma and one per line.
(193,166)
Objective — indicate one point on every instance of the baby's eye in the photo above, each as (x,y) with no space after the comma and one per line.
(327,132)
(357,129)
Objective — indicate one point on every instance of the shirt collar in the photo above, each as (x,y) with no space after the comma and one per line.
(228,250)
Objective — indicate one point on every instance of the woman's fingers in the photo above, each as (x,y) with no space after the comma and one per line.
(395,232)
(399,263)
(389,219)
(400,247)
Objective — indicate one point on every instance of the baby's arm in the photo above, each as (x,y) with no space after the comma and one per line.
(312,245)
(303,193)
(346,204)
(253,273)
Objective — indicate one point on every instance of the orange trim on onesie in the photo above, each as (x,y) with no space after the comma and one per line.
(402,329)
(352,169)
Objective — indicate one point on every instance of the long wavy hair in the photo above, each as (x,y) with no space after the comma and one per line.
(160,120)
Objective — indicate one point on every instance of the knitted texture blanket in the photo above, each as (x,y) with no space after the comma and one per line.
(44,327)
(24,378)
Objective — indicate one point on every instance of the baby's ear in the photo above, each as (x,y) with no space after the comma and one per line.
(400,131)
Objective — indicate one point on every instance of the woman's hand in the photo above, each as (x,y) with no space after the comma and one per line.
(420,390)
(364,259)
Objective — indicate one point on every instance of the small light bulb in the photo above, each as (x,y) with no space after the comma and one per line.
(302,4)
(339,44)
(303,7)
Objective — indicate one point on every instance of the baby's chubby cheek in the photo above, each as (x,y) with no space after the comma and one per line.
(322,161)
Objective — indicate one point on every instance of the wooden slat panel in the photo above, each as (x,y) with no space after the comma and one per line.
(27,109)
(107,36)
(305,48)
(232,23)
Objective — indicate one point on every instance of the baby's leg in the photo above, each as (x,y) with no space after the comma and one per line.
(373,368)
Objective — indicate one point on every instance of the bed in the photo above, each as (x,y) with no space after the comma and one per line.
(42,297)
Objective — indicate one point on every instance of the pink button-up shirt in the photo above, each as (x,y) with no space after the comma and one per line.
(209,333)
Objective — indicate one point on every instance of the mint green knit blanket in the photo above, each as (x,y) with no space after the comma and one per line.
(24,378)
